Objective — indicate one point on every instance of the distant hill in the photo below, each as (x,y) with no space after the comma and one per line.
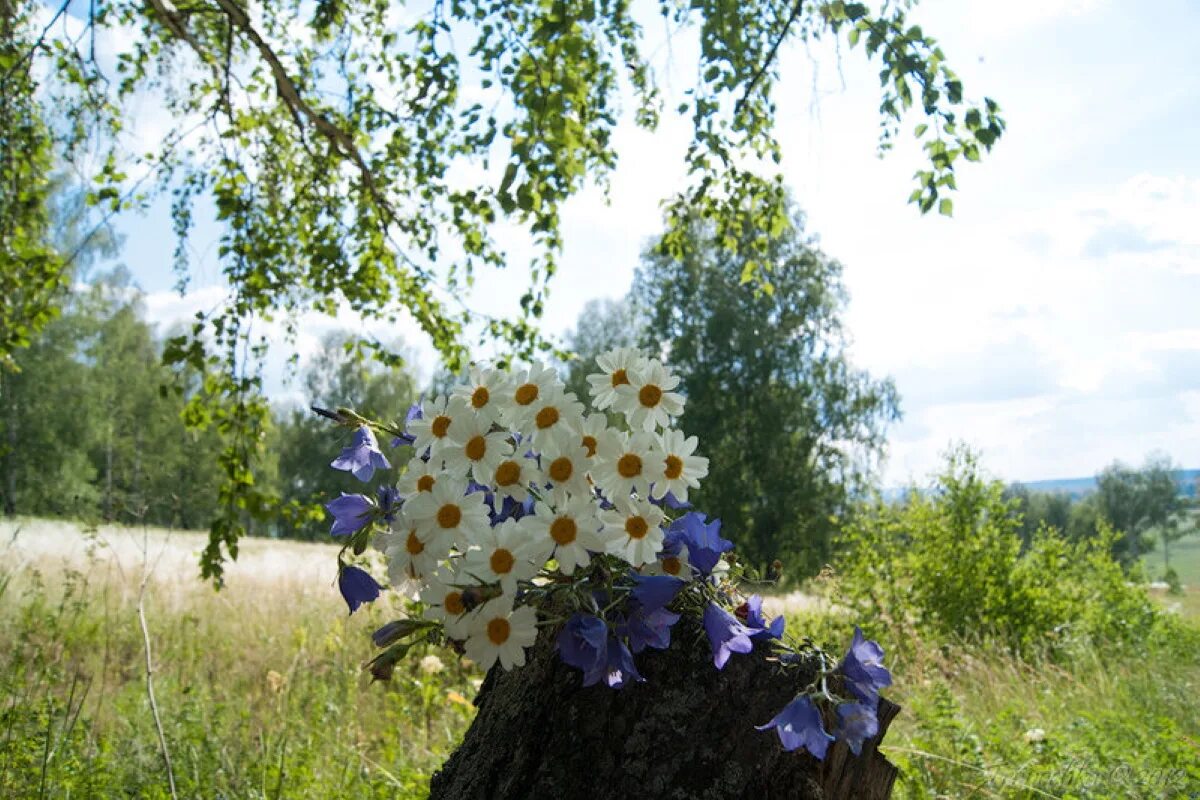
(1078,487)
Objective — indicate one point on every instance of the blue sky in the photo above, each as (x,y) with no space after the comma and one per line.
(1053,323)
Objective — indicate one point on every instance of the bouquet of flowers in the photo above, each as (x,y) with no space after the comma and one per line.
(520,509)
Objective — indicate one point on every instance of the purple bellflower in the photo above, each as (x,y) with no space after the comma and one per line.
(703,540)
(799,725)
(669,500)
(583,644)
(414,412)
(653,592)
(864,670)
(621,669)
(350,513)
(362,457)
(725,634)
(857,722)
(357,587)
(756,622)
(389,502)
(650,628)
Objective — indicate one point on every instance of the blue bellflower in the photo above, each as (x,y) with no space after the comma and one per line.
(362,457)
(583,644)
(389,502)
(703,540)
(621,669)
(799,725)
(655,591)
(725,634)
(669,500)
(357,587)
(650,628)
(857,722)
(414,412)
(864,670)
(756,622)
(350,513)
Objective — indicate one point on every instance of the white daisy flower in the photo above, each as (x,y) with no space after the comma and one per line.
(484,393)
(552,411)
(412,553)
(432,430)
(512,476)
(565,533)
(446,511)
(476,448)
(616,365)
(565,462)
(647,400)
(625,464)
(497,631)
(676,565)
(591,432)
(635,533)
(679,469)
(419,476)
(443,597)
(525,388)
(499,555)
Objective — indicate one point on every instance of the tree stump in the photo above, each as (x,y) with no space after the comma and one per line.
(686,733)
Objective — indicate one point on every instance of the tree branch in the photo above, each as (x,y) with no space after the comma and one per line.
(766,64)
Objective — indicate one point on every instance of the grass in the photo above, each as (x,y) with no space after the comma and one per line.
(262,696)
(1185,560)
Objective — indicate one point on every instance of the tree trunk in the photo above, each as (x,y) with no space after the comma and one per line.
(687,733)
(10,447)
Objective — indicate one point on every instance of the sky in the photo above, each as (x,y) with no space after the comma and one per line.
(1053,323)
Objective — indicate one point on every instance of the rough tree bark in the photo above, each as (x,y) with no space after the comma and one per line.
(686,733)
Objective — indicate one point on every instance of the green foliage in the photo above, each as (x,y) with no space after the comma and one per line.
(949,562)
(355,155)
(791,428)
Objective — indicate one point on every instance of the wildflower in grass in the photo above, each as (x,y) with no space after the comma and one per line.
(362,457)
(863,668)
(498,554)
(447,511)
(419,476)
(431,431)
(857,722)
(652,592)
(703,540)
(414,413)
(625,464)
(647,400)
(566,532)
(484,393)
(351,512)
(757,623)
(500,632)
(649,628)
(632,531)
(445,601)
(583,643)
(726,635)
(615,366)
(679,469)
(565,462)
(799,725)
(475,449)
(431,664)
(523,391)
(357,587)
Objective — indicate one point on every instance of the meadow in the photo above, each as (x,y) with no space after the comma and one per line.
(260,690)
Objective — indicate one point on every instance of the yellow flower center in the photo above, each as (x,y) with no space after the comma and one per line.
(476,448)
(589,442)
(498,631)
(672,565)
(480,397)
(413,544)
(439,426)
(508,473)
(674,467)
(561,469)
(449,516)
(526,394)
(619,378)
(454,603)
(636,527)
(563,530)
(629,465)
(546,417)
(425,483)
(502,561)
(649,395)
